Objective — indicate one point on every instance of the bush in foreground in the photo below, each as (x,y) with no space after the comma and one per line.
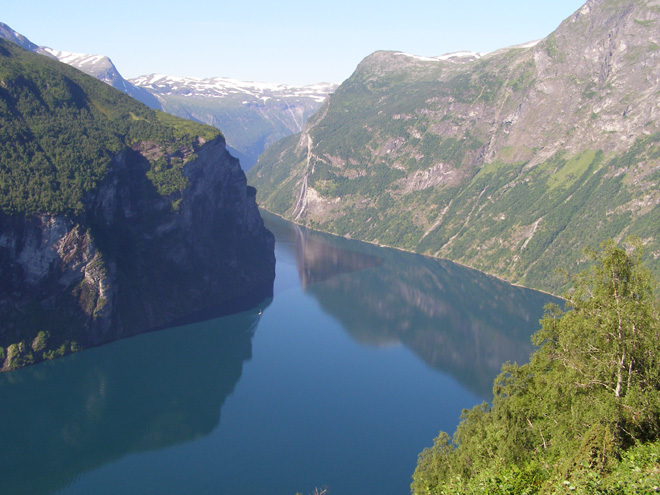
(583,416)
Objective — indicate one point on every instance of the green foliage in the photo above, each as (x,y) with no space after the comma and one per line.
(60,130)
(551,46)
(583,416)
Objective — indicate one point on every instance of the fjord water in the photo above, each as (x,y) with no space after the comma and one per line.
(361,357)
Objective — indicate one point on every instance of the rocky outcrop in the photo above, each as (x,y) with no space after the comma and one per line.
(134,261)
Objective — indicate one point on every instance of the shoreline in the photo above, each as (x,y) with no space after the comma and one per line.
(502,279)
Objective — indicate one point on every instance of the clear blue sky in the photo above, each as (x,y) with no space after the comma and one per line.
(289,41)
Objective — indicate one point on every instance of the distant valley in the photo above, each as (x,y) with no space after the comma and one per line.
(251,115)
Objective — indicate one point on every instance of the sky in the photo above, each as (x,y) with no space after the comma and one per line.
(286,41)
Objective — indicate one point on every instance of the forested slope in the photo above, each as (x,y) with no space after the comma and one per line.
(114,218)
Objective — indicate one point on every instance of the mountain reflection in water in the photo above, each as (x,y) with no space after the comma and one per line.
(458,320)
(70,416)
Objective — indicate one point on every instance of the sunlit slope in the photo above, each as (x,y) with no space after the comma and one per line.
(510,162)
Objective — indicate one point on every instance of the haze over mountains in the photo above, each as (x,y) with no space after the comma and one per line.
(511,162)
(251,115)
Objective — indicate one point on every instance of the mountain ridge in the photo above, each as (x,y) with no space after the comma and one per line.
(503,163)
(252,115)
(161,84)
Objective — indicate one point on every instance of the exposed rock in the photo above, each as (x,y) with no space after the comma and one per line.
(133,263)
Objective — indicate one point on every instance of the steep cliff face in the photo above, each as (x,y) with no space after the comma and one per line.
(55,282)
(114,219)
(510,162)
(133,262)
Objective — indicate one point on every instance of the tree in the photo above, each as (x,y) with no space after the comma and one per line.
(607,343)
(590,393)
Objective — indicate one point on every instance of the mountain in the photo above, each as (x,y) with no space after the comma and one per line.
(98,66)
(510,162)
(102,68)
(252,115)
(114,218)
(9,34)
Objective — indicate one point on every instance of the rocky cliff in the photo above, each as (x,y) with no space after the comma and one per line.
(115,219)
(510,162)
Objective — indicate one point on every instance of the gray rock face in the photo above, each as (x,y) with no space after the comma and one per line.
(133,262)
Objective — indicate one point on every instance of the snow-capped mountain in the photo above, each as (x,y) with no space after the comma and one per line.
(9,34)
(251,115)
(457,57)
(222,87)
(102,68)
(98,66)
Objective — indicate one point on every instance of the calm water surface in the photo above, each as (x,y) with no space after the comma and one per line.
(362,356)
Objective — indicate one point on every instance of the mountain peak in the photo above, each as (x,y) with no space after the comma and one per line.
(98,66)
(511,163)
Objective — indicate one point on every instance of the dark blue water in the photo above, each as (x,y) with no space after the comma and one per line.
(362,356)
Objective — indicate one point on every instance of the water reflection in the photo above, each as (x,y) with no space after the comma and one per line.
(318,260)
(61,419)
(457,320)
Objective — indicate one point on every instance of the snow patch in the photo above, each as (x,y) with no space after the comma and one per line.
(221,87)
(447,57)
(77,59)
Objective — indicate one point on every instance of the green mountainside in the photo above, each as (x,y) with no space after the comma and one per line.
(115,219)
(510,162)
(61,128)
